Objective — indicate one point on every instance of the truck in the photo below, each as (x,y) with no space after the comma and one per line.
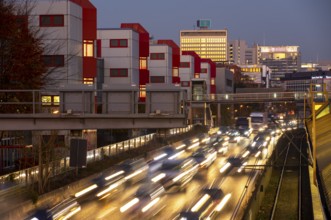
(244,125)
(259,121)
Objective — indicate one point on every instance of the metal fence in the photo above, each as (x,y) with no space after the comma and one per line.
(30,175)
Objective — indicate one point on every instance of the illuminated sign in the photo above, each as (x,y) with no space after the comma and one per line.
(251,70)
(271,49)
(203,23)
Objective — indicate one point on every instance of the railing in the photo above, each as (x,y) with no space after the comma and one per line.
(30,175)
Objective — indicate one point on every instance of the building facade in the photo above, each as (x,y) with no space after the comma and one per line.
(280,59)
(208,44)
(237,51)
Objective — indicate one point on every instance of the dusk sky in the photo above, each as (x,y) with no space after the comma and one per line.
(306,23)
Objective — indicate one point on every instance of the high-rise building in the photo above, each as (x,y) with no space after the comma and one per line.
(280,59)
(237,51)
(208,44)
(251,55)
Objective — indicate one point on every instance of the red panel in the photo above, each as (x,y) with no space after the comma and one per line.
(212,89)
(143,77)
(176,79)
(197,60)
(212,67)
(175,51)
(143,37)
(99,51)
(89,67)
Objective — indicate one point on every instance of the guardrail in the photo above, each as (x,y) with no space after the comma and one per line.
(30,175)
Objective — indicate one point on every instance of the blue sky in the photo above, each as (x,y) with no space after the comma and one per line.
(306,23)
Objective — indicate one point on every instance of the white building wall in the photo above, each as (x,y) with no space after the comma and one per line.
(127,57)
(161,67)
(186,74)
(206,76)
(65,40)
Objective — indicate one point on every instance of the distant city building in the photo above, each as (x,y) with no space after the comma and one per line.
(237,52)
(256,74)
(280,59)
(208,44)
(251,55)
(305,67)
(301,81)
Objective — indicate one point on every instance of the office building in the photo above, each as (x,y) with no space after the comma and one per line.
(208,44)
(237,52)
(280,59)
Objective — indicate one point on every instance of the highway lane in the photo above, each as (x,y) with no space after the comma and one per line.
(179,201)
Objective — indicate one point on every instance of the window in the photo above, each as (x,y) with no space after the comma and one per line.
(50,100)
(88,48)
(157,56)
(212,81)
(53,60)
(196,75)
(185,83)
(143,63)
(51,20)
(142,91)
(118,72)
(204,70)
(175,72)
(157,79)
(118,43)
(184,64)
(88,81)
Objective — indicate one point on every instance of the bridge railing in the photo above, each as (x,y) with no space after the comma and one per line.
(271,96)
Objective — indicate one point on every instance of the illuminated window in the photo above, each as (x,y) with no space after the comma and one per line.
(113,43)
(88,48)
(175,72)
(118,72)
(88,81)
(184,64)
(53,60)
(46,100)
(196,75)
(51,20)
(157,56)
(142,91)
(50,100)
(143,63)
(157,79)
(212,81)
(56,100)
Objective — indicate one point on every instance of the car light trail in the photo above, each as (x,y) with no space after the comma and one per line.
(160,156)
(200,203)
(86,190)
(129,205)
(150,205)
(225,167)
(220,206)
(158,177)
(114,175)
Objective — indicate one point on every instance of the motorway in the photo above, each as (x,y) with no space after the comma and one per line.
(173,203)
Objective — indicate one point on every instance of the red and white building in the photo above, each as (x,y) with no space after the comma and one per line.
(125,51)
(163,62)
(68,30)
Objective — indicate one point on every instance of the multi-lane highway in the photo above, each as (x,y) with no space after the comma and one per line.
(172,203)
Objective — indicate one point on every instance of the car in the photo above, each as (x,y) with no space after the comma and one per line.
(63,210)
(234,162)
(145,203)
(234,135)
(134,170)
(211,201)
(205,157)
(176,174)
